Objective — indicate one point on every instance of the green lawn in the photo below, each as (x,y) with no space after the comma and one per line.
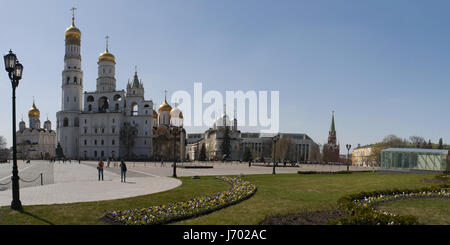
(90,212)
(430,212)
(277,194)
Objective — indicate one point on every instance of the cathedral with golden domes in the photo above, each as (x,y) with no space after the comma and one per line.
(96,124)
(35,142)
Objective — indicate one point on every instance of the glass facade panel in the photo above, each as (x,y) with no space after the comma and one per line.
(414,159)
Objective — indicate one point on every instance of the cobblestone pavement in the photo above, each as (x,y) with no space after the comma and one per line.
(79,183)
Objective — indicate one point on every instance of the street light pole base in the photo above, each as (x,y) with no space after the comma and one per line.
(16,205)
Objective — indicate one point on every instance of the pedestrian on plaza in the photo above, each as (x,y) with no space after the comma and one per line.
(249,163)
(123,171)
(79,160)
(162,162)
(100,169)
(108,163)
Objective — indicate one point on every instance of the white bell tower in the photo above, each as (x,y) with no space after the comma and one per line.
(72,88)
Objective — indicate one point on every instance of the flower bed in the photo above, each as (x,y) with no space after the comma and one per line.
(361,206)
(239,191)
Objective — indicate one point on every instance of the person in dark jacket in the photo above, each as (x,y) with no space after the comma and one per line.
(123,171)
(100,169)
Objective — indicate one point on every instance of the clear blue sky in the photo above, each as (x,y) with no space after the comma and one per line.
(383,66)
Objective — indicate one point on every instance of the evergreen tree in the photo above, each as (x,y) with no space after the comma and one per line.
(226,143)
(59,151)
(430,145)
(441,144)
(247,155)
(202,156)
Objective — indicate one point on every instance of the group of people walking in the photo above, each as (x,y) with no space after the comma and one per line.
(122,166)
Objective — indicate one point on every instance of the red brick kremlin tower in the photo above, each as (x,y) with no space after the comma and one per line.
(331,150)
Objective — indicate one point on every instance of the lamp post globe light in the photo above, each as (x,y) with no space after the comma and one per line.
(348,154)
(15,70)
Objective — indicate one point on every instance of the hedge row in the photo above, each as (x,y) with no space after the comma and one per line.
(155,215)
(360,206)
(331,172)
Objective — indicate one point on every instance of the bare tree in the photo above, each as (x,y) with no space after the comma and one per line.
(394,141)
(128,134)
(416,140)
(283,147)
(2,142)
(315,153)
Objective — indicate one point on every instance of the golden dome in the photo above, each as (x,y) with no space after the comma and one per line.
(34,111)
(175,112)
(73,32)
(155,114)
(164,107)
(106,56)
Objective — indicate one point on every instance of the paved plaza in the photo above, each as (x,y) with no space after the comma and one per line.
(79,183)
(74,182)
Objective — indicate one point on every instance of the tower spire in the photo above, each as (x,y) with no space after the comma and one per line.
(73,15)
(333,128)
(107,42)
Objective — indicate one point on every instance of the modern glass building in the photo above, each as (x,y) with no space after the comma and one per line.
(407,159)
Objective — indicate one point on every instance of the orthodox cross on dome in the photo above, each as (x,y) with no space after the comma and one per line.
(107,42)
(165,96)
(73,15)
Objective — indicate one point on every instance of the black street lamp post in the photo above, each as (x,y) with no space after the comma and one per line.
(14,69)
(274,139)
(174,156)
(348,154)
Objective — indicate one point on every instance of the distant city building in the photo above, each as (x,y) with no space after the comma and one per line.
(331,149)
(213,138)
(412,159)
(362,156)
(35,142)
(298,148)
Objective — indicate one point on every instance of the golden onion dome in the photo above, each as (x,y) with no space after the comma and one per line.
(73,32)
(175,112)
(164,107)
(34,111)
(155,114)
(106,56)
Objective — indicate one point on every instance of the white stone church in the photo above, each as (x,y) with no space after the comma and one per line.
(89,123)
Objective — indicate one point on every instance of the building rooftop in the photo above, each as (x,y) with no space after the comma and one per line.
(416,150)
